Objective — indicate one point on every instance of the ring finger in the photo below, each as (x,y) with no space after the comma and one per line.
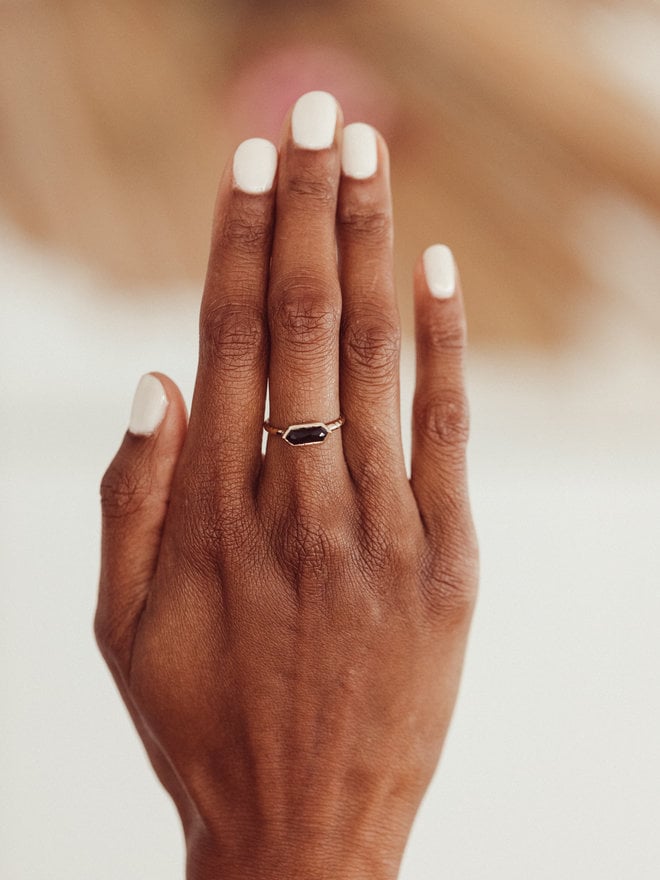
(370,321)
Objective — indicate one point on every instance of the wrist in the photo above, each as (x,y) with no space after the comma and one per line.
(310,855)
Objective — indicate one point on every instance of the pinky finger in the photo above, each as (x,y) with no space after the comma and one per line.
(440,410)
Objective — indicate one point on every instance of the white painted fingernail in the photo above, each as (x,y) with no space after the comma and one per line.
(255,163)
(149,405)
(359,155)
(314,120)
(440,271)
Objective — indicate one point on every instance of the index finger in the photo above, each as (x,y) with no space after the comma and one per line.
(229,399)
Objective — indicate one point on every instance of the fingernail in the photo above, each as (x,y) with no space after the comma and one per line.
(255,163)
(440,271)
(314,120)
(149,405)
(359,155)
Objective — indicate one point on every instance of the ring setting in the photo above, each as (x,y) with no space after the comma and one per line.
(305,433)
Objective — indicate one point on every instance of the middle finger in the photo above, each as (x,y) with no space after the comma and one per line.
(304,298)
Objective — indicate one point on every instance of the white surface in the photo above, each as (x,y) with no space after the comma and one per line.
(254,166)
(440,271)
(359,151)
(552,765)
(149,405)
(313,121)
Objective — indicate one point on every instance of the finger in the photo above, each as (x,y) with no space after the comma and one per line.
(370,332)
(229,399)
(135,492)
(304,299)
(440,411)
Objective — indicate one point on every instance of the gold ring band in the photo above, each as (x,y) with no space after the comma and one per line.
(305,433)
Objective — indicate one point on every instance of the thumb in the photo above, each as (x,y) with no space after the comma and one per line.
(135,492)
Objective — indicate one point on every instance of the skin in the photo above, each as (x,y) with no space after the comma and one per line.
(288,630)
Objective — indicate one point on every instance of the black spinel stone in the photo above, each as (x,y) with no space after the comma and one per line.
(306,435)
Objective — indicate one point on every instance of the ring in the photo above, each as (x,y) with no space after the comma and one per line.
(307,434)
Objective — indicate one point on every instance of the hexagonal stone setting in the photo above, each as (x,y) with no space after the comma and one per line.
(306,435)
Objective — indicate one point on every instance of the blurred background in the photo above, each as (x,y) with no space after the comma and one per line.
(525,134)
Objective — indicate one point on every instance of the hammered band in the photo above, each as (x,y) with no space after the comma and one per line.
(307,433)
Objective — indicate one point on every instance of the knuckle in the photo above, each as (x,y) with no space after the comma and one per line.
(244,232)
(205,510)
(238,539)
(387,554)
(214,516)
(199,515)
(383,504)
(312,186)
(123,490)
(213,541)
(443,420)
(309,549)
(305,318)
(371,343)
(450,591)
(368,225)
(235,335)
(444,336)
(368,472)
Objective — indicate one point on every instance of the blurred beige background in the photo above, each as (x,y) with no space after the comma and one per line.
(508,122)
(525,134)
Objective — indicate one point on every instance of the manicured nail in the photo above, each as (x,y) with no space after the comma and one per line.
(314,120)
(440,271)
(255,163)
(359,155)
(149,405)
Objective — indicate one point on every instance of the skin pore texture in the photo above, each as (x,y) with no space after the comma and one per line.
(287,630)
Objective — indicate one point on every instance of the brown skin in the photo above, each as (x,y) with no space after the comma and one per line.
(288,630)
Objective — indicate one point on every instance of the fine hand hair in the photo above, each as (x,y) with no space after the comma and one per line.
(287,630)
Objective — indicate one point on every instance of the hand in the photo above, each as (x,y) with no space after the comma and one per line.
(288,630)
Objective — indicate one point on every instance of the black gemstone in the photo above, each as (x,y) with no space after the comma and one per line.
(305,435)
